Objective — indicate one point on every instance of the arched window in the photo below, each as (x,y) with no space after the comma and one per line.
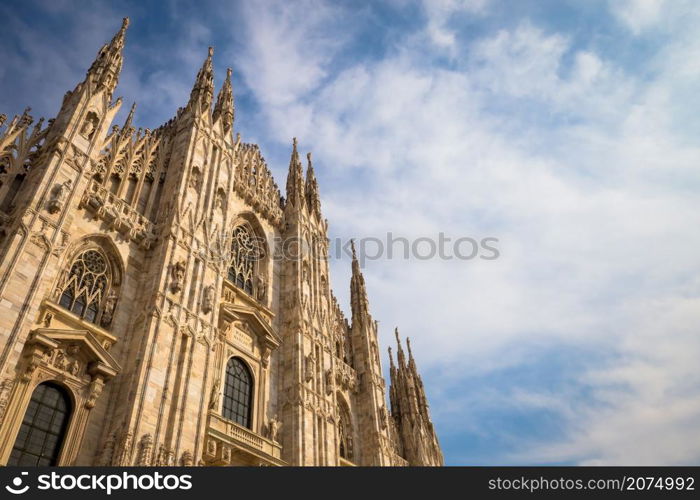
(86,290)
(44,426)
(238,393)
(246,251)
(344,432)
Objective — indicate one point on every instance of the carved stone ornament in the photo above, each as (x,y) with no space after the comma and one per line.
(208,299)
(59,194)
(177,276)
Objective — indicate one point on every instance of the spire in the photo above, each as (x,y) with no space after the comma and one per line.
(411,361)
(312,197)
(358,290)
(295,178)
(128,127)
(203,89)
(105,69)
(409,408)
(400,356)
(224,103)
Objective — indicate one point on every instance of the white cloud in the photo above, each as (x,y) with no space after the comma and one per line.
(287,48)
(638,15)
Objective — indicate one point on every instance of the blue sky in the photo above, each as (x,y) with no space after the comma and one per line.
(566,129)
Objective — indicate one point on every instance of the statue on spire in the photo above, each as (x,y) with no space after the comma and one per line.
(203,90)
(295,179)
(105,69)
(313,199)
(224,107)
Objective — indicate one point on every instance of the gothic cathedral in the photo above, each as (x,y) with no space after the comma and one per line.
(162,304)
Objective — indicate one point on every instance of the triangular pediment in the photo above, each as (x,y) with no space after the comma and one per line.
(262,329)
(90,348)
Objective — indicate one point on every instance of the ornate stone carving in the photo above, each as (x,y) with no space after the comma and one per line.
(272,429)
(187,460)
(107,453)
(124,457)
(89,125)
(226,454)
(5,391)
(195,179)
(383,417)
(94,391)
(254,182)
(108,310)
(177,276)
(145,449)
(118,215)
(65,359)
(208,299)
(211,447)
(329,381)
(309,367)
(215,395)
(59,193)
(261,288)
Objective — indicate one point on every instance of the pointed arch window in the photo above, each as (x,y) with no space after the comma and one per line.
(43,429)
(345,442)
(246,251)
(238,393)
(87,290)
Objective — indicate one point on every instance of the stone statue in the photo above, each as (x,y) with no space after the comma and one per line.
(273,429)
(215,395)
(208,299)
(177,272)
(329,381)
(108,312)
(309,365)
(261,288)
(58,196)
(88,128)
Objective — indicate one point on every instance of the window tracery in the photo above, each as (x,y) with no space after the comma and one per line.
(87,291)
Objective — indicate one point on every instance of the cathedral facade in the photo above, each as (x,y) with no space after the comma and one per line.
(161,302)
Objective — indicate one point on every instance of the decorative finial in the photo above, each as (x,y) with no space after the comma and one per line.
(211,52)
(352,246)
(396,333)
(294,142)
(125,23)
(229,72)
